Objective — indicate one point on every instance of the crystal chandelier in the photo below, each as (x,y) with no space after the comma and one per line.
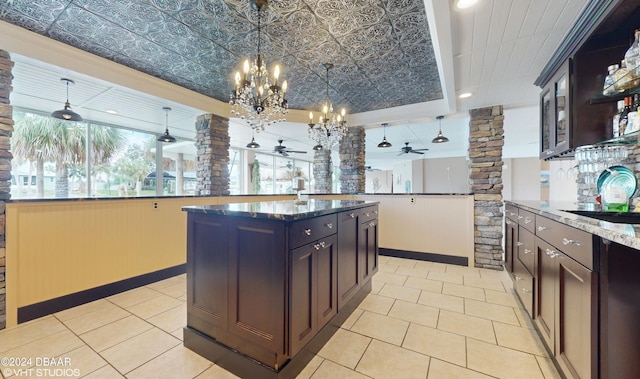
(331,127)
(255,99)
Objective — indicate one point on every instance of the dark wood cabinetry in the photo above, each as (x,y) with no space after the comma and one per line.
(268,287)
(557,134)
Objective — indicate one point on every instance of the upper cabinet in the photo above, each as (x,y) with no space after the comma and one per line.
(573,110)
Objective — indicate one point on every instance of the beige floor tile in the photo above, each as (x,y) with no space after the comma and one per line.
(523,318)
(437,300)
(424,284)
(310,368)
(491,284)
(413,271)
(420,314)
(466,325)
(387,277)
(381,327)
(443,370)
(400,292)
(353,317)
(178,362)
(134,296)
(376,286)
(57,344)
(508,299)
(167,282)
(436,343)
(331,370)
(81,310)
(384,267)
(519,338)
(431,266)
(138,350)
(155,306)
(106,372)
(495,274)
(376,303)
(383,258)
(112,334)
(402,262)
(84,360)
(28,332)
(217,372)
(174,318)
(383,360)
(466,271)
(490,311)
(345,348)
(501,362)
(445,277)
(463,291)
(548,369)
(175,291)
(96,319)
(178,333)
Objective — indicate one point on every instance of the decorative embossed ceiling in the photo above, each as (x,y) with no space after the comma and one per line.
(381,49)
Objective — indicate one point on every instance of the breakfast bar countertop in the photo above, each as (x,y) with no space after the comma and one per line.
(622,233)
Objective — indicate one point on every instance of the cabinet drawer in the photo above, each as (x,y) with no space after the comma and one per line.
(573,242)
(309,230)
(527,219)
(523,285)
(526,246)
(511,212)
(367,214)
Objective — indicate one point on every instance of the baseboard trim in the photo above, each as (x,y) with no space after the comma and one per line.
(430,257)
(33,311)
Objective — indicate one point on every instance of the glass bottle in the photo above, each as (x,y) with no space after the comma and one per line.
(616,120)
(632,117)
(624,116)
(621,77)
(609,80)
(632,56)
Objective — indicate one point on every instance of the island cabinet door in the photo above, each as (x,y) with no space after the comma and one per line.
(368,249)
(327,283)
(348,277)
(207,273)
(257,282)
(545,292)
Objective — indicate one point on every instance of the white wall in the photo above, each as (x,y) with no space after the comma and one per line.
(402,177)
(524,179)
(521,132)
(446,175)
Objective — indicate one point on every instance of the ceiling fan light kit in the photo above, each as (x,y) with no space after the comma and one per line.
(282,150)
(67,114)
(256,99)
(166,137)
(406,149)
(440,138)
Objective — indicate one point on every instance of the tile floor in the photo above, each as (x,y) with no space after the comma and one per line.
(423,320)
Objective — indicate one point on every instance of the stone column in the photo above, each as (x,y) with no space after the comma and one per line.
(352,162)
(322,170)
(212,162)
(6,128)
(486,139)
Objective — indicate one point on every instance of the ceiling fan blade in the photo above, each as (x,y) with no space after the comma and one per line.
(402,152)
(283,153)
(295,151)
(425,149)
(416,152)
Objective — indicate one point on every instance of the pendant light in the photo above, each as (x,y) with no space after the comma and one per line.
(253,144)
(440,138)
(67,114)
(166,137)
(384,142)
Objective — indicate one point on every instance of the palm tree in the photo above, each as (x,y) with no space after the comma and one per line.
(28,144)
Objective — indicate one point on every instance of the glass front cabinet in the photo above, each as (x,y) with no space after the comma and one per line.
(555,114)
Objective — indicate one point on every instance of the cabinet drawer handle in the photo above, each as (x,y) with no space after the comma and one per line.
(508,222)
(519,243)
(330,225)
(527,220)
(512,213)
(316,246)
(375,212)
(367,214)
(518,278)
(524,290)
(527,251)
(520,217)
(566,241)
(323,244)
(552,254)
(307,231)
(372,224)
(352,215)
(542,228)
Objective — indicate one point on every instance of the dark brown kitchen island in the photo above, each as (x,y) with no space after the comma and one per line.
(268,283)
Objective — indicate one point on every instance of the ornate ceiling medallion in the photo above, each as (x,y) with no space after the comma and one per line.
(331,127)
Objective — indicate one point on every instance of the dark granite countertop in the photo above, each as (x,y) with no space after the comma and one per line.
(286,210)
(624,234)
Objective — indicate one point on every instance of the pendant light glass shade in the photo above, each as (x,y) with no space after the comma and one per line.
(166,137)
(384,142)
(67,114)
(440,138)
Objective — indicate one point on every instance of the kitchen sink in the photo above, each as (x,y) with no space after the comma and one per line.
(617,217)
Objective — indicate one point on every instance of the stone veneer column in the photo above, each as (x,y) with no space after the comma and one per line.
(486,139)
(352,163)
(6,127)
(212,164)
(322,170)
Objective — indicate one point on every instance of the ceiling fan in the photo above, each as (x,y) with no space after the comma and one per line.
(282,150)
(406,149)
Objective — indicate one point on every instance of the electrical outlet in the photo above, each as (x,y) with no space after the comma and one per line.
(413,200)
(155,206)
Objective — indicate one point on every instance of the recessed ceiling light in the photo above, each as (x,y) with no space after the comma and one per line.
(111,111)
(464,4)
(464,95)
